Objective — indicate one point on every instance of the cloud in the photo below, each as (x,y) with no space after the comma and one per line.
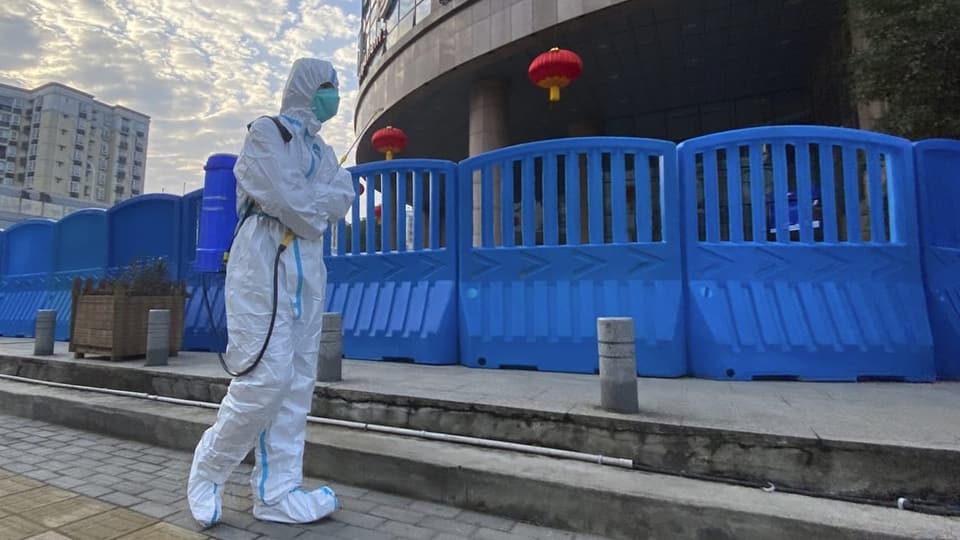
(200,72)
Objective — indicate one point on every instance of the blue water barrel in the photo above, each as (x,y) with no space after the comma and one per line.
(218,213)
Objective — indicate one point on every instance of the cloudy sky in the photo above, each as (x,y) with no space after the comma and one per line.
(200,72)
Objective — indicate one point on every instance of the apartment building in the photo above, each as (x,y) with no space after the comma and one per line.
(59,142)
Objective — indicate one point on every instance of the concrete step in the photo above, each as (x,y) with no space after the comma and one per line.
(867,471)
(572,495)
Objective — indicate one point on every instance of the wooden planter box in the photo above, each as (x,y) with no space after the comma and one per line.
(107,321)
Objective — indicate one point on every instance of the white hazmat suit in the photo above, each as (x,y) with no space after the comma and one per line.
(297,185)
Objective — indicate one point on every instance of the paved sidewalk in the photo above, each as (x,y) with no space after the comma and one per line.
(58,483)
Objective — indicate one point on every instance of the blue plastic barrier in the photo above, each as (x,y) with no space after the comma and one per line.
(842,303)
(530,298)
(80,251)
(938,179)
(27,265)
(198,334)
(147,226)
(398,301)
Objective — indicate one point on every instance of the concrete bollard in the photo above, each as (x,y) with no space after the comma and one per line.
(158,337)
(330,363)
(44,330)
(618,365)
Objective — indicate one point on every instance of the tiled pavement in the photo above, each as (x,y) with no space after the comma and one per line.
(58,483)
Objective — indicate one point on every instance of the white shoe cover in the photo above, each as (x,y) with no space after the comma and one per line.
(206,502)
(205,499)
(299,506)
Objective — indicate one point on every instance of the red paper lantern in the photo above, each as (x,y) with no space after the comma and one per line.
(389,140)
(362,189)
(555,69)
(377,211)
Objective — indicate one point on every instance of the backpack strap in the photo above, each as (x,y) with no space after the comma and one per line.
(284,132)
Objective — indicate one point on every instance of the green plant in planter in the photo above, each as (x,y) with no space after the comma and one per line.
(146,277)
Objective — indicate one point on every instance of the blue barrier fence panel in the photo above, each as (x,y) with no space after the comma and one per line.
(394,279)
(553,235)
(938,179)
(829,288)
(198,333)
(27,267)
(80,251)
(147,226)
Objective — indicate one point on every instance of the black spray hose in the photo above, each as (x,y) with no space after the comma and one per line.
(288,237)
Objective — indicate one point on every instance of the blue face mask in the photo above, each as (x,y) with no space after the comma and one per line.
(325,103)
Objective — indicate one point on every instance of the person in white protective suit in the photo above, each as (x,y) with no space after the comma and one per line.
(293,186)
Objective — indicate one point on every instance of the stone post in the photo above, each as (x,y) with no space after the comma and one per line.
(329,365)
(44,330)
(618,365)
(158,337)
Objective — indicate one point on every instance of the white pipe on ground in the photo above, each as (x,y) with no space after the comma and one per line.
(404,432)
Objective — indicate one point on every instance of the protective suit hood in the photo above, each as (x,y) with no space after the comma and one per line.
(306,76)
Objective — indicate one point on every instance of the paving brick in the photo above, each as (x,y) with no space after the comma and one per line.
(81,472)
(154,509)
(124,453)
(121,499)
(49,535)
(355,518)
(276,531)
(96,455)
(242,520)
(540,533)
(349,491)
(30,458)
(20,467)
(104,479)
(25,501)
(162,496)
(91,490)
(434,509)
(406,530)
(321,531)
(57,466)
(17,484)
(234,502)
(389,500)
(357,505)
(484,533)
(165,484)
(65,482)
(40,474)
(446,525)
(17,528)
(226,532)
(155,460)
(137,477)
(357,533)
(163,531)
(112,469)
(131,488)
(145,467)
(397,514)
(68,511)
(112,524)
